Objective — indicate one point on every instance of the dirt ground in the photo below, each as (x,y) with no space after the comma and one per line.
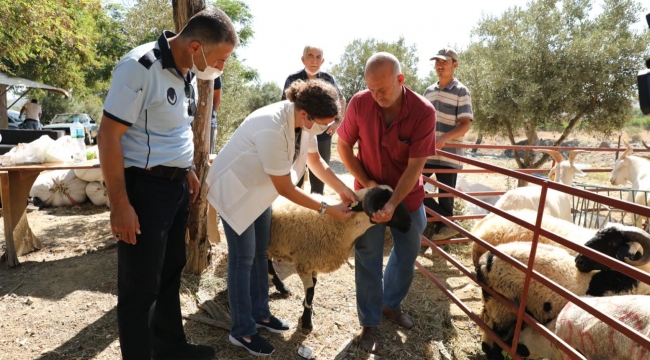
(61,302)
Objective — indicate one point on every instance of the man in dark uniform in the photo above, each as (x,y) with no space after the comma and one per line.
(312,58)
(147,142)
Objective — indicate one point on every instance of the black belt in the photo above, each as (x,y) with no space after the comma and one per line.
(165,172)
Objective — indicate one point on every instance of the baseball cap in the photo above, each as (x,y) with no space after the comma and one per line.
(446,54)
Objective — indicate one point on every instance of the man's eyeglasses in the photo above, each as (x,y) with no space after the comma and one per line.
(189,94)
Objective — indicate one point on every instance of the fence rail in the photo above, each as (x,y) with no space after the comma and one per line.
(586,200)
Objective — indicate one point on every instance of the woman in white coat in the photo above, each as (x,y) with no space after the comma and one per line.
(264,158)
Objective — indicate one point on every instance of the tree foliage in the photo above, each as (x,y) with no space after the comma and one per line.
(63,44)
(554,62)
(349,72)
(262,94)
(146,19)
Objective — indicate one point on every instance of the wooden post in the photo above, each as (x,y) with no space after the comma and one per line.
(14,187)
(197,244)
(4,122)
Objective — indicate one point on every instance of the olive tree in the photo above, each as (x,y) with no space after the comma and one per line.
(554,63)
(349,72)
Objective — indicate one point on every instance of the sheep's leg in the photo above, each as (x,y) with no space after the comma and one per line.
(308,283)
(275,279)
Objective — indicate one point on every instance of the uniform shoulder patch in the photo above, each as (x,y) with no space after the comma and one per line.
(149,58)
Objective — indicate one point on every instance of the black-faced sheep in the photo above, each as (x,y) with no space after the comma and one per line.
(636,170)
(496,230)
(321,244)
(587,334)
(543,304)
(557,204)
(621,248)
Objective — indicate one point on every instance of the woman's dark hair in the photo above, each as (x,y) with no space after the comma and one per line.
(317,97)
(210,27)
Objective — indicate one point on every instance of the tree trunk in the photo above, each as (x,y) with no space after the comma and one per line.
(531,139)
(479,140)
(197,244)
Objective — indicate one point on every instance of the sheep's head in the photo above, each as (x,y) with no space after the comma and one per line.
(617,241)
(375,198)
(620,174)
(564,170)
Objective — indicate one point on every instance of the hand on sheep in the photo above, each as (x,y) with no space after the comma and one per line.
(339,211)
(384,215)
(348,196)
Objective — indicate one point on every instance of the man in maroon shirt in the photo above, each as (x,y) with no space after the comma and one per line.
(395,132)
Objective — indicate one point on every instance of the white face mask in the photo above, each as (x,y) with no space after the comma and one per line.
(316,128)
(311,73)
(209,73)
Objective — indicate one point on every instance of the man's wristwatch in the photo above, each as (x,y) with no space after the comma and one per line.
(192,167)
(323,207)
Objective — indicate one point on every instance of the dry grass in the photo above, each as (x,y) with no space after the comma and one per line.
(335,321)
(71,285)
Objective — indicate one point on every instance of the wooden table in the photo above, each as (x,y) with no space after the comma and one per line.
(16,182)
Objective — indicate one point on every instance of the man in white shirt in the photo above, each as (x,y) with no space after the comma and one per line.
(32,113)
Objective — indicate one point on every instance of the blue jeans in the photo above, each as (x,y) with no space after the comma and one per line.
(375,291)
(248,275)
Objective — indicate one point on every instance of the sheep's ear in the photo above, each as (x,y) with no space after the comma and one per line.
(579,172)
(375,199)
(624,252)
(628,150)
(401,219)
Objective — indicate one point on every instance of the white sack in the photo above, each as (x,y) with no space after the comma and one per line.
(97,193)
(89,175)
(59,188)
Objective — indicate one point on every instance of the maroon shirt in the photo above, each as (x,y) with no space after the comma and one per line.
(384,151)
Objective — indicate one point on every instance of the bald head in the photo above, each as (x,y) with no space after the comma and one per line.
(381,60)
(384,79)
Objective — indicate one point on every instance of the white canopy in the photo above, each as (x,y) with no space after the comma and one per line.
(16,81)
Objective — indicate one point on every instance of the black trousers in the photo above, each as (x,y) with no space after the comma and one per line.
(149,272)
(325,150)
(443,206)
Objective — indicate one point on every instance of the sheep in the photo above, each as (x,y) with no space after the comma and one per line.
(496,230)
(587,334)
(321,244)
(543,304)
(558,204)
(618,247)
(634,169)
(463,185)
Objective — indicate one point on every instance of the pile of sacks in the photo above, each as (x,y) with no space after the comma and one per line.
(70,187)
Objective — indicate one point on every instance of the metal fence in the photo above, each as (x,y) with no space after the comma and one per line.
(587,200)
